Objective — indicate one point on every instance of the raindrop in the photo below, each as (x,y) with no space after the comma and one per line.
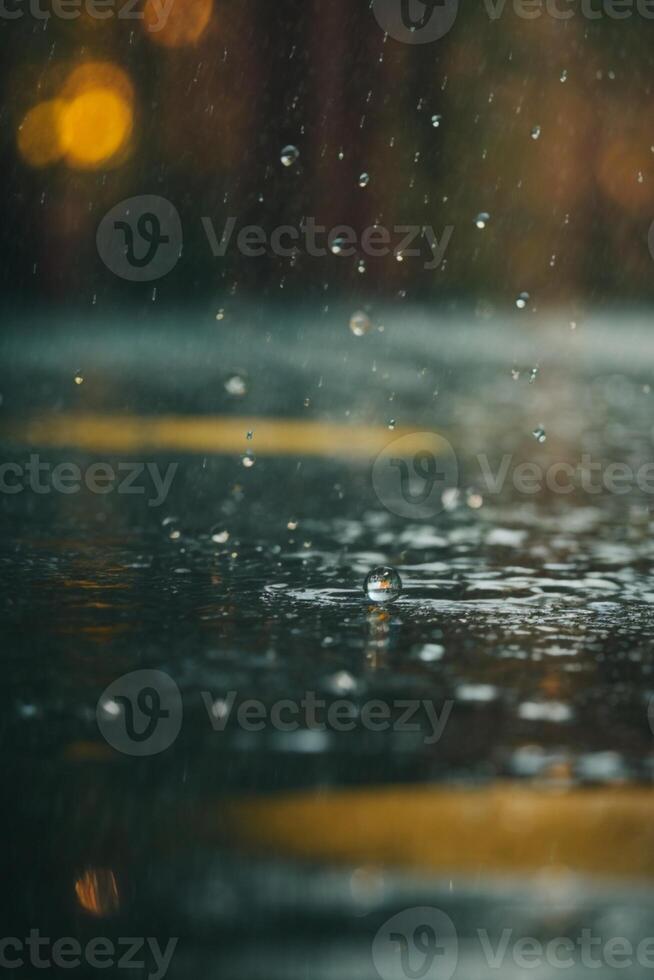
(382,584)
(79,379)
(292,524)
(391,424)
(522,300)
(236,385)
(338,244)
(219,536)
(364,180)
(535,133)
(539,434)
(515,374)
(360,323)
(436,120)
(171,528)
(533,374)
(250,434)
(482,219)
(248,460)
(220,315)
(361,266)
(289,155)
(564,75)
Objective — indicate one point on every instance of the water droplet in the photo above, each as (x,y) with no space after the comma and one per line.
(219,536)
(79,379)
(220,315)
(361,266)
(539,434)
(522,300)
(364,180)
(289,155)
(436,120)
(533,374)
(383,584)
(171,528)
(338,244)
(535,133)
(391,424)
(248,460)
(236,385)
(515,374)
(564,75)
(360,323)
(292,524)
(250,434)
(482,219)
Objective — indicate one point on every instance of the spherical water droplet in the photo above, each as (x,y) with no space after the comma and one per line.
(522,300)
(220,315)
(79,379)
(482,219)
(289,155)
(248,460)
(236,385)
(539,434)
(383,584)
(360,323)
(364,180)
(535,133)
(436,120)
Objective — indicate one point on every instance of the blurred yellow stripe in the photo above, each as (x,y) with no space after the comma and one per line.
(204,434)
(506,828)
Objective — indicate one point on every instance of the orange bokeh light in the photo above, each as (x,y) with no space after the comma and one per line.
(184,23)
(97,891)
(98,74)
(39,134)
(95,126)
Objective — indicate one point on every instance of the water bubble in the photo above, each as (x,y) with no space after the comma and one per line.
(364,180)
(539,434)
(482,219)
(522,300)
(248,460)
(236,385)
(436,120)
(535,133)
(360,323)
(289,155)
(382,584)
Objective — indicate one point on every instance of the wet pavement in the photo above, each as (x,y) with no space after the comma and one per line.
(524,622)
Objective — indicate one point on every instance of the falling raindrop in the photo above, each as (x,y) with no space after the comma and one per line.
(219,536)
(522,300)
(289,155)
(533,374)
(436,120)
(338,244)
(361,266)
(250,434)
(564,75)
(236,385)
(79,379)
(220,315)
(383,584)
(364,180)
(482,219)
(535,133)
(539,434)
(360,323)
(248,460)
(391,424)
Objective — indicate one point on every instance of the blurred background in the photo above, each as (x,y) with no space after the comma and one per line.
(544,124)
